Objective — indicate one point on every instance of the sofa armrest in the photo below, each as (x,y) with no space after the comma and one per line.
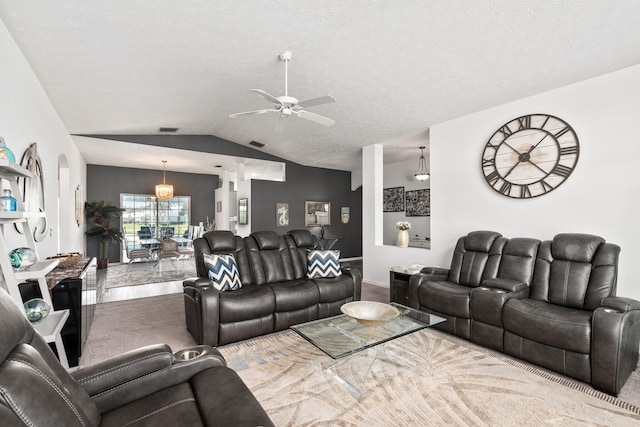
(137,373)
(416,281)
(614,343)
(356,276)
(196,282)
(621,304)
(435,270)
(506,285)
(202,311)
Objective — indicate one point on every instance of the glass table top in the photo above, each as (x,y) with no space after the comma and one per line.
(342,335)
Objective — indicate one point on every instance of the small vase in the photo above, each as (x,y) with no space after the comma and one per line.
(403,238)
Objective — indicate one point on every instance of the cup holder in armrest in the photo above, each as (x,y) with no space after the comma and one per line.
(185,355)
(611,310)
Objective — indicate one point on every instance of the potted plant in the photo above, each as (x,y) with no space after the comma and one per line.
(100,215)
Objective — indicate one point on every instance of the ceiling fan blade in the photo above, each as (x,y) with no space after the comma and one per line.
(317,101)
(267,96)
(315,117)
(246,113)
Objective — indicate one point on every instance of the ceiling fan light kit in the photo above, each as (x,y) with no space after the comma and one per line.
(288,106)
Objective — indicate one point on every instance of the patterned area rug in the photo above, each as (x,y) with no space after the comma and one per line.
(454,383)
(141,273)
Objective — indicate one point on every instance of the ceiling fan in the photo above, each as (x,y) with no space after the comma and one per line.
(288,105)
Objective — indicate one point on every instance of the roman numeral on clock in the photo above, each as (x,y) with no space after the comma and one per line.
(505,188)
(562,170)
(562,132)
(488,162)
(525,122)
(506,131)
(566,151)
(525,192)
(493,177)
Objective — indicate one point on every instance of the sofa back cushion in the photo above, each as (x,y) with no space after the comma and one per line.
(518,259)
(476,257)
(300,242)
(575,270)
(221,242)
(269,257)
(35,388)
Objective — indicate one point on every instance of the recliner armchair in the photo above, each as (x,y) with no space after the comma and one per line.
(446,292)
(150,386)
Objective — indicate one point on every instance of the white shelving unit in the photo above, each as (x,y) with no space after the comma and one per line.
(51,326)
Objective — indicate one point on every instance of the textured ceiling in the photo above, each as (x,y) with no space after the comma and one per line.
(395,68)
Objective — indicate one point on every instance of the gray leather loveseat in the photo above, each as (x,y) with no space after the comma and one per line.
(275,294)
(150,386)
(552,303)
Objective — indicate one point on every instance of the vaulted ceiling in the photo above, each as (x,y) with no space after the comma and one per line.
(395,68)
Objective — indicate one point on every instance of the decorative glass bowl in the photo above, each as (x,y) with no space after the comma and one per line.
(369,313)
(36,309)
(22,257)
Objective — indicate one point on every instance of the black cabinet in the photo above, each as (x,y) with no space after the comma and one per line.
(78,295)
(399,282)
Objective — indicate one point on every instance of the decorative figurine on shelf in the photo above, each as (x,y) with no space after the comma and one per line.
(8,202)
(36,309)
(22,257)
(5,152)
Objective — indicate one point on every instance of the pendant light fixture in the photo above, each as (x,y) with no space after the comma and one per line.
(164,191)
(422,174)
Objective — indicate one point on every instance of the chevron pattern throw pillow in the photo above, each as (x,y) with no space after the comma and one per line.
(223,271)
(323,264)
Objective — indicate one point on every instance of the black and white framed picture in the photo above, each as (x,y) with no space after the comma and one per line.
(282,214)
(393,199)
(418,202)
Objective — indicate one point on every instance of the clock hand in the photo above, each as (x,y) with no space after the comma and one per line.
(534,146)
(505,143)
(511,170)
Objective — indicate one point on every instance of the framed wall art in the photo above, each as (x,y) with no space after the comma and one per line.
(282,214)
(317,213)
(418,202)
(344,214)
(393,199)
(243,211)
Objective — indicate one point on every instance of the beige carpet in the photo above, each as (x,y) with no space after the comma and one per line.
(278,372)
(453,384)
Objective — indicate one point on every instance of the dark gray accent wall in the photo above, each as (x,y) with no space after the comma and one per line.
(314,184)
(302,183)
(107,182)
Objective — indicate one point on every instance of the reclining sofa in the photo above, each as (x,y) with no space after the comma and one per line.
(149,386)
(551,303)
(275,293)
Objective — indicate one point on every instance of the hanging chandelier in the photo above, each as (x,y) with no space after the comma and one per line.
(422,174)
(164,191)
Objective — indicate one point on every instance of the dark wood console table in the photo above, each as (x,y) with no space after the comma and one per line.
(399,277)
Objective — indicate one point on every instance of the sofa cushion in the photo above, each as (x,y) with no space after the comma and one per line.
(323,264)
(223,271)
(335,289)
(549,324)
(295,294)
(446,297)
(249,302)
(575,247)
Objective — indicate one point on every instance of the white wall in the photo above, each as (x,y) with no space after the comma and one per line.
(27,116)
(598,198)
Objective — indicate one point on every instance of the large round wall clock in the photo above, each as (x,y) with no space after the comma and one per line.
(530,156)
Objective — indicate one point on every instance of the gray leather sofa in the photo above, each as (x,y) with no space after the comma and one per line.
(150,386)
(552,303)
(275,292)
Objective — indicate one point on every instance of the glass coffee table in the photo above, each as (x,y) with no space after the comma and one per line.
(342,336)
